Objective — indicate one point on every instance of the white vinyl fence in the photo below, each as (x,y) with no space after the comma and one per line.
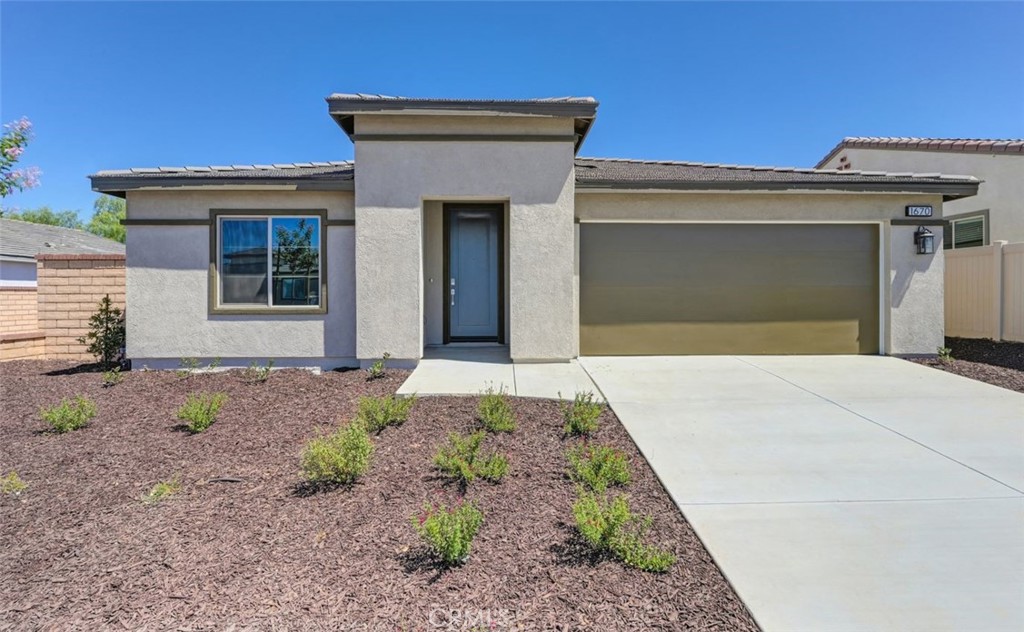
(985,292)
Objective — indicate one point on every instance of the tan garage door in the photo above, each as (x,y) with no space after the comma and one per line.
(670,289)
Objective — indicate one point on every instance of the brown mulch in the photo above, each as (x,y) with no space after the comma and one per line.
(998,363)
(79,550)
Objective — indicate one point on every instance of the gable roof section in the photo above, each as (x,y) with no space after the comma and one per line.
(614,173)
(955,145)
(24,240)
(335,175)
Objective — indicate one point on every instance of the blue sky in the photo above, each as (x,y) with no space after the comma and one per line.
(112,85)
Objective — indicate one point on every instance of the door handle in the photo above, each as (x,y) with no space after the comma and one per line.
(453,291)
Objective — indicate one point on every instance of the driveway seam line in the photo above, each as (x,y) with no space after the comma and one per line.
(596,385)
(881,425)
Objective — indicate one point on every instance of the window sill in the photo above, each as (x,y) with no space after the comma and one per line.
(267,311)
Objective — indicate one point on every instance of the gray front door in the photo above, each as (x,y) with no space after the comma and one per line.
(474,274)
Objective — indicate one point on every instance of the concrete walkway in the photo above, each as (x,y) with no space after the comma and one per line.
(839,493)
(470,370)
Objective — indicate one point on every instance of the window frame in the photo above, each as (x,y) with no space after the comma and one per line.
(962,217)
(214,306)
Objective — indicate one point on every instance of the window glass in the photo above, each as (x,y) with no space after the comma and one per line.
(296,260)
(243,263)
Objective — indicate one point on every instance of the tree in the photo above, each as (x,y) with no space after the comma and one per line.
(107,213)
(12,144)
(45,215)
(105,339)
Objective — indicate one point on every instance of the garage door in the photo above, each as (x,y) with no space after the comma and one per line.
(670,289)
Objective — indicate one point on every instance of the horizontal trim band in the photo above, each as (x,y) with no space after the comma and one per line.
(165,222)
(341,222)
(438,138)
(23,335)
(949,189)
(934,221)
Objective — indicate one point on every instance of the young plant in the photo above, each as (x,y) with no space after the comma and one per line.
(69,415)
(581,415)
(214,364)
(200,410)
(105,338)
(162,490)
(339,458)
(494,411)
(449,531)
(113,377)
(12,484)
(377,413)
(256,373)
(378,368)
(610,526)
(188,366)
(598,467)
(461,459)
(945,354)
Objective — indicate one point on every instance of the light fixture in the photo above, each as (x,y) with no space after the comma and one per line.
(925,241)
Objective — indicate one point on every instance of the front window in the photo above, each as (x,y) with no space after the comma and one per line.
(269,262)
(965,232)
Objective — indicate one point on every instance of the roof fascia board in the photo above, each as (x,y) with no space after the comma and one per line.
(949,190)
(118,186)
(429,107)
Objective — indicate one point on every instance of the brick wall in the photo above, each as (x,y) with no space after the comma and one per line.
(20,337)
(70,289)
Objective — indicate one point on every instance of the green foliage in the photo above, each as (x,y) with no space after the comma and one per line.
(598,466)
(494,412)
(188,366)
(46,215)
(113,377)
(214,364)
(377,369)
(255,373)
(945,354)
(162,490)
(107,213)
(339,458)
(105,339)
(377,413)
(200,410)
(449,531)
(461,459)
(12,484)
(611,526)
(581,415)
(69,415)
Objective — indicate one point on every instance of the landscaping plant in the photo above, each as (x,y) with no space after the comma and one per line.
(339,458)
(256,373)
(581,415)
(188,366)
(449,531)
(113,377)
(598,466)
(12,484)
(494,412)
(105,338)
(377,369)
(162,490)
(945,354)
(200,410)
(377,413)
(461,459)
(69,415)
(610,526)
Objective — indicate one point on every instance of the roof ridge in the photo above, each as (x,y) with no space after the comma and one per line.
(732,167)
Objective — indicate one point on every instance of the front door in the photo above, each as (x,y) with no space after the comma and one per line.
(473,239)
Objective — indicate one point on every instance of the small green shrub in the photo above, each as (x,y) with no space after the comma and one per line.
(339,458)
(12,484)
(188,366)
(945,354)
(256,373)
(162,490)
(611,526)
(105,338)
(200,410)
(461,459)
(598,466)
(494,412)
(449,531)
(69,415)
(377,370)
(113,377)
(377,413)
(581,415)
(214,364)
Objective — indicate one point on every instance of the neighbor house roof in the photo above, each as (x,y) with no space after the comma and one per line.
(344,106)
(334,175)
(24,240)
(959,145)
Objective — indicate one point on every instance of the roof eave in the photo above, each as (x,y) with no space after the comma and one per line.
(119,186)
(949,190)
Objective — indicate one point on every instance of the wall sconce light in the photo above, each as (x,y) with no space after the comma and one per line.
(925,241)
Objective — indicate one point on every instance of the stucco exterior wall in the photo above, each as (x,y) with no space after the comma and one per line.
(167,285)
(912,296)
(397,177)
(1001,193)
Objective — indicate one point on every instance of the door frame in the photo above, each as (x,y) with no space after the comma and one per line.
(447,209)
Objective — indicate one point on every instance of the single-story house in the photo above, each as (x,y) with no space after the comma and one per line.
(995,213)
(20,242)
(474,222)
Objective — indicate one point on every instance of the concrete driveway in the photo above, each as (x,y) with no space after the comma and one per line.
(839,493)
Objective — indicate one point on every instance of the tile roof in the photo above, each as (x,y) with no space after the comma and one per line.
(26,240)
(322,175)
(960,145)
(359,96)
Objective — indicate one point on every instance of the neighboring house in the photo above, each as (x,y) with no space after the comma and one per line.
(20,242)
(995,213)
(473,221)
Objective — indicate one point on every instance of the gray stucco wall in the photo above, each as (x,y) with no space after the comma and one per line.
(167,285)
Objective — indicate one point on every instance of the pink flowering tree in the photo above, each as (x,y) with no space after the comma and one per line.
(15,137)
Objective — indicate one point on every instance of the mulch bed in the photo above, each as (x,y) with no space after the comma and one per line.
(998,363)
(79,550)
